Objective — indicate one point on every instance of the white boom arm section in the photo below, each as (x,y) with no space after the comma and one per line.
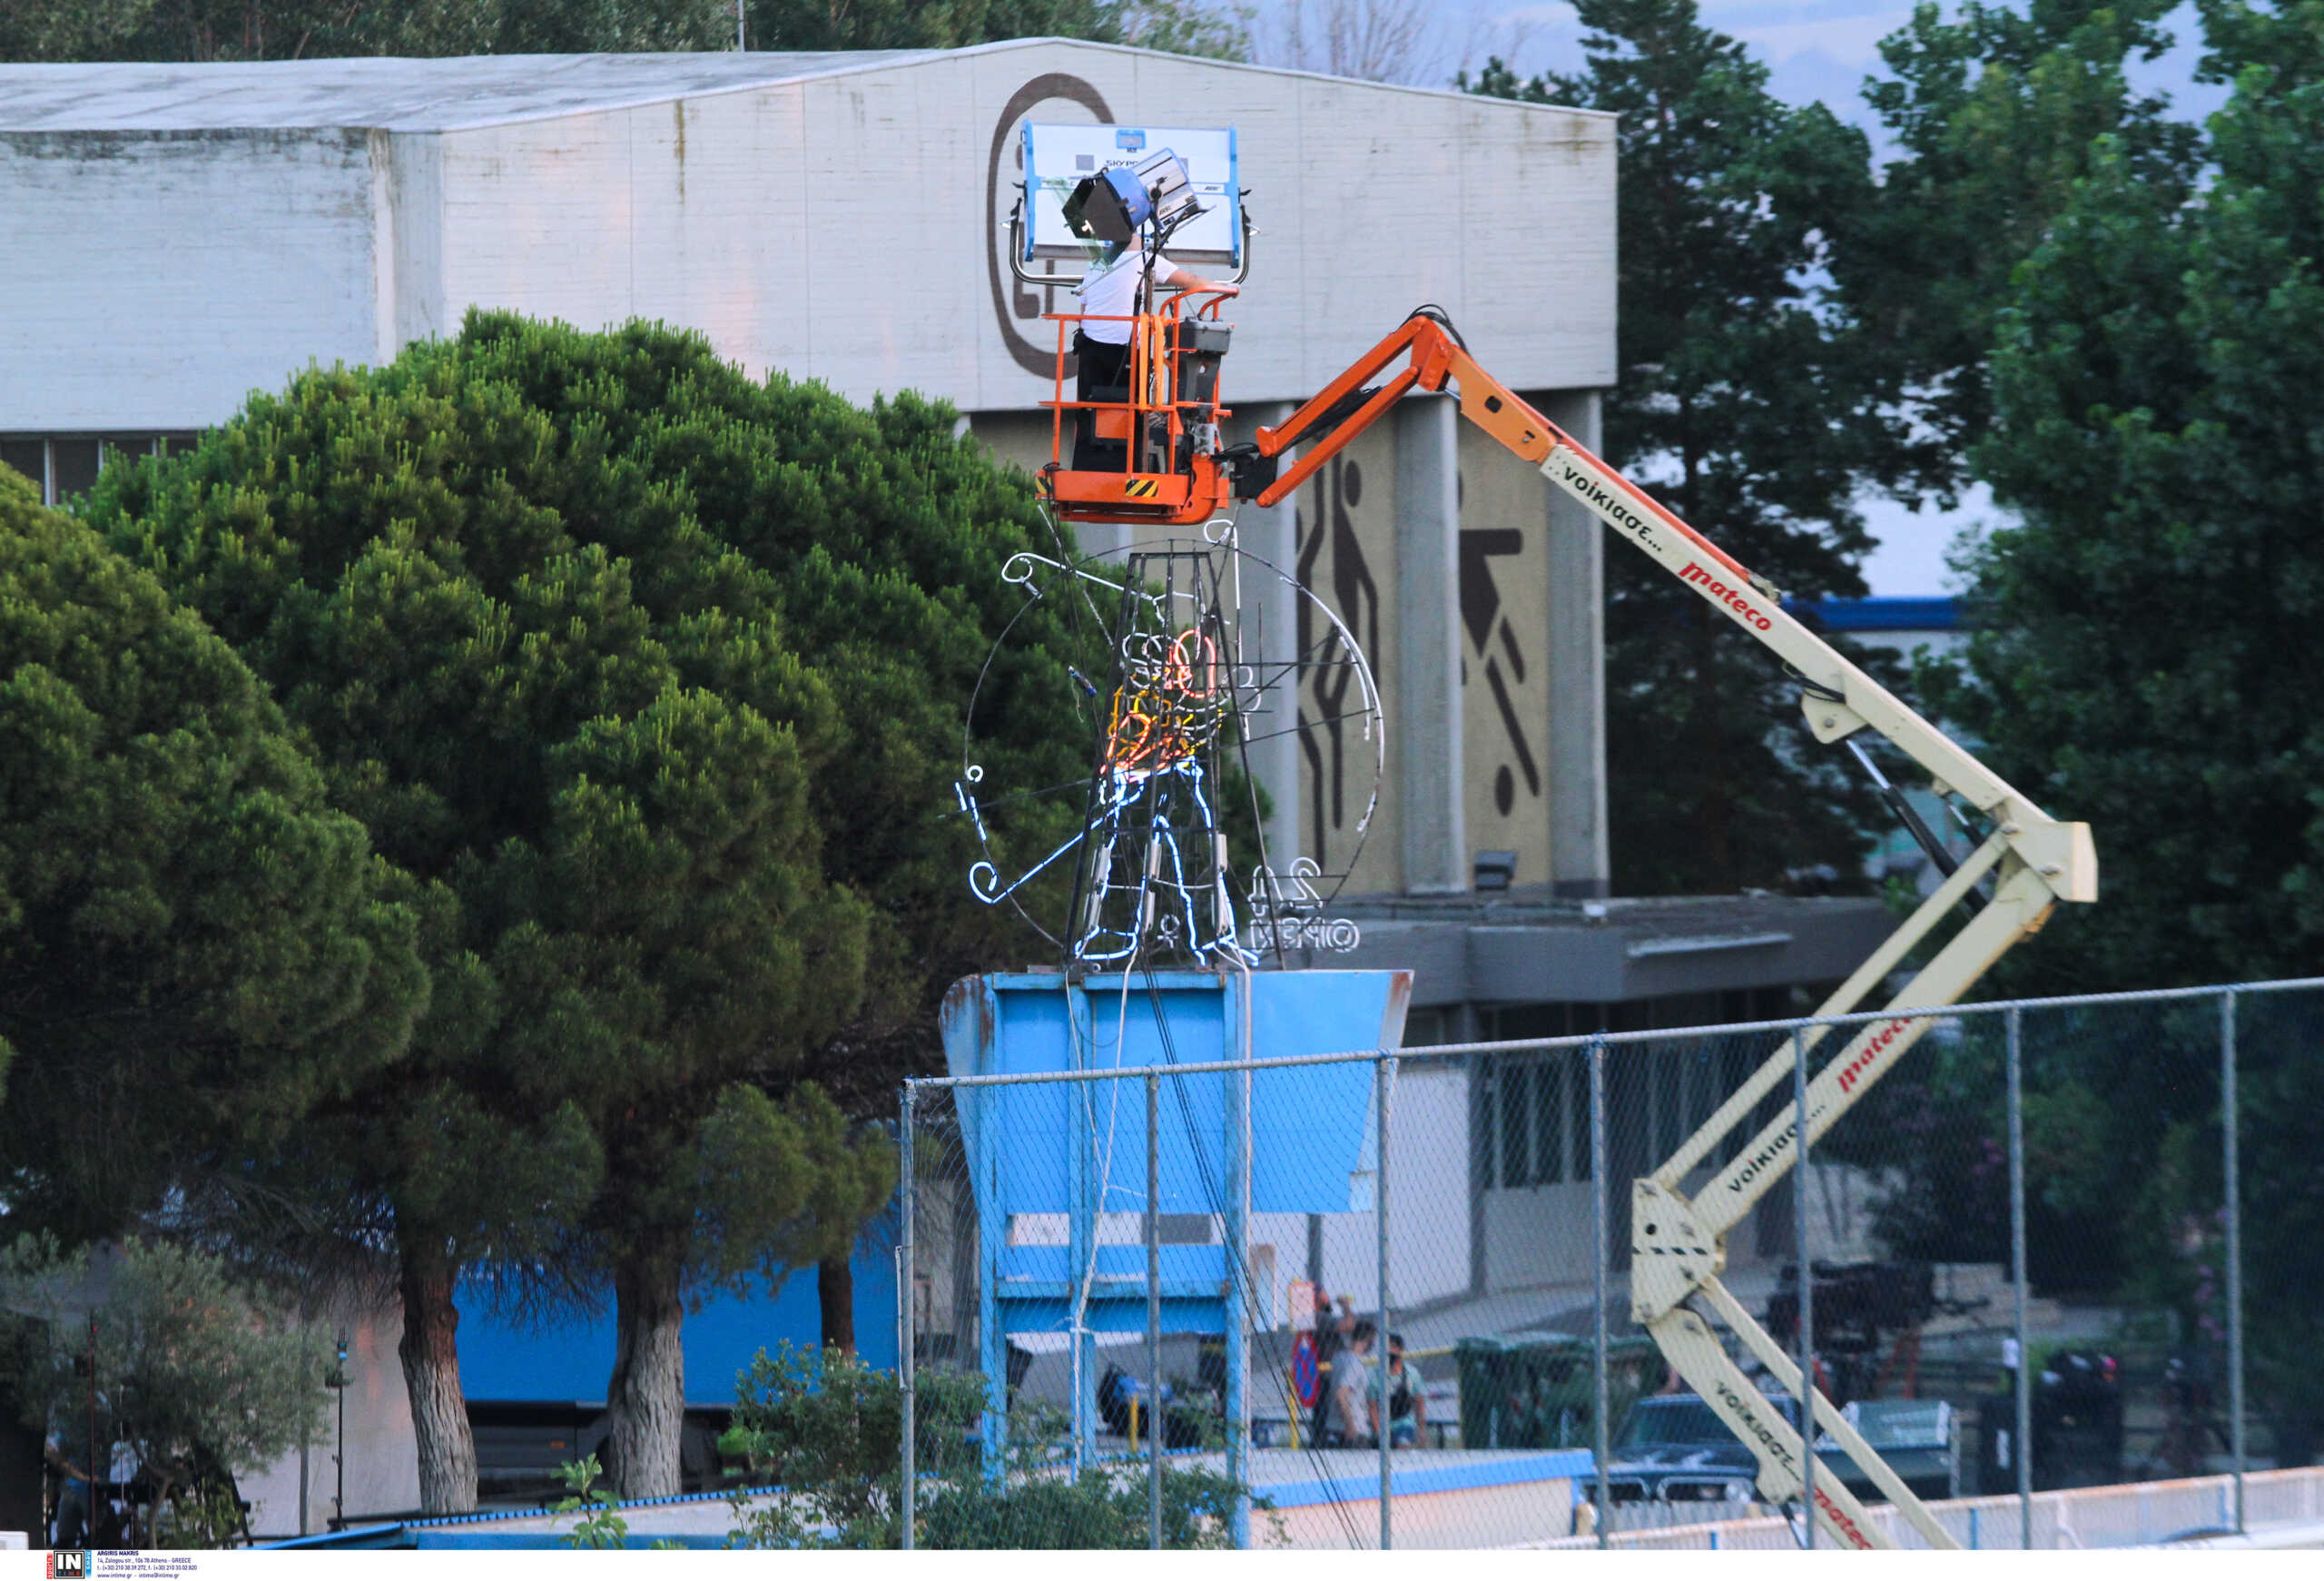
(1677,1243)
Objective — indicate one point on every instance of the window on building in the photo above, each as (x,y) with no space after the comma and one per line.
(29,457)
(1514,1092)
(1532,1124)
(1549,1119)
(62,466)
(1425,1028)
(72,467)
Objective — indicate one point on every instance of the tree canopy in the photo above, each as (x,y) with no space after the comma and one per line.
(651,674)
(196,950)
(1742,405)
(2142,640)
(1996,112)
(204,30)
(2142,656)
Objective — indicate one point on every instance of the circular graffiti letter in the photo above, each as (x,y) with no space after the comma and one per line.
(1006,293)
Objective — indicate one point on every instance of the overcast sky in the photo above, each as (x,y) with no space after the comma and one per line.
(1814,49)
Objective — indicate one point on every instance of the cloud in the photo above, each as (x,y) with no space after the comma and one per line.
(1851,40)
(1845,32)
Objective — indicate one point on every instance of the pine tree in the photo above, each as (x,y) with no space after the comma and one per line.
(654,676)
(195,949)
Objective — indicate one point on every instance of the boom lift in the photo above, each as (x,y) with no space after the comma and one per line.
(1175,470)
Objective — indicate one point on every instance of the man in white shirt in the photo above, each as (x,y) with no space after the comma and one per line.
(1102,341)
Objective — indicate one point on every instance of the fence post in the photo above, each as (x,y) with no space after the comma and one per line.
(906,1384)
(1600,1238)
(2231,1123)
(1154,1423)
(1807,1306)
(1383,1074)
(2022,1379)
(1241,1305)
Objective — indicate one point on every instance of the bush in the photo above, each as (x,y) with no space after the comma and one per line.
(827,1430)
(189,1376)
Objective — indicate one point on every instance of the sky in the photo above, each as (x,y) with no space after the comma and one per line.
(1815,50)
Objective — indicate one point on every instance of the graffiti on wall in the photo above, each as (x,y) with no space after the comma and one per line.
(1495,648)
(1325,708)
(1015,307)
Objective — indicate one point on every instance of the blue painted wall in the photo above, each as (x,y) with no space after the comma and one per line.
(501,1360)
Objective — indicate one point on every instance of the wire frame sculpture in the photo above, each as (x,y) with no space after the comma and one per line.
(1196,680)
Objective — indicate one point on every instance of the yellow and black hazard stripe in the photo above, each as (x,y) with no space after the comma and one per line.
(1142,488)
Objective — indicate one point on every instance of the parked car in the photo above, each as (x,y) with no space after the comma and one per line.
(1674,1449)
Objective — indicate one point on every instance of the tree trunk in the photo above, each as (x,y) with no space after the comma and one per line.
(835,1291)
(430,1353)
(647,1395)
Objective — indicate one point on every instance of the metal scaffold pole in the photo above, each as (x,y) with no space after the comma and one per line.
(908,1209)
(1383,1076)
(1807,1306)
(1601,1208)
(1154,1423)
(2021,1435)
(2231,1123)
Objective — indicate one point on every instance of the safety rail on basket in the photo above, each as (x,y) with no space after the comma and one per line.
(1143,449)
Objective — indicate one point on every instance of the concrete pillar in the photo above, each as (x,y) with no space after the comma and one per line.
(1424,722)
(1579,864)
(1272,618)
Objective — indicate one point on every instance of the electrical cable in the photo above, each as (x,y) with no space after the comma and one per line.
(1214,1195)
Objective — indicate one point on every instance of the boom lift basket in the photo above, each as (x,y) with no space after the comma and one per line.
(1146,449)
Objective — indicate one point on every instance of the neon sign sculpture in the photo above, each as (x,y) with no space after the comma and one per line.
(1190,692)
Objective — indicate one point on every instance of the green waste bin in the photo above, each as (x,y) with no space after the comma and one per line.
(1536,1390)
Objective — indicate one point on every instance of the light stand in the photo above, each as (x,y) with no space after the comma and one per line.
(338,1382)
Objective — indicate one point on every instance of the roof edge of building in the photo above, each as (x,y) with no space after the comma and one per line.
(855,65)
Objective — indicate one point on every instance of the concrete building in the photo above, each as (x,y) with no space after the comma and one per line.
(179,236)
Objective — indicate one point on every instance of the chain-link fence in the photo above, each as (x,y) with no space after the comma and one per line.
(1385,1298)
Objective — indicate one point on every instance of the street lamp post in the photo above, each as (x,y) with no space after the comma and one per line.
(89,1521)
(339,1382)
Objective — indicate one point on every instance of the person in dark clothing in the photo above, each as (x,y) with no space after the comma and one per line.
(66,1454)
(1333,1335)
(1406,1413)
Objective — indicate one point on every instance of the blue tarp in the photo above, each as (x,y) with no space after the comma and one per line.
(502,1360)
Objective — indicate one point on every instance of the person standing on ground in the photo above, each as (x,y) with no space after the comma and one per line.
(1407,1411)
(66,1453)
(1351,1383)
(1333,1333)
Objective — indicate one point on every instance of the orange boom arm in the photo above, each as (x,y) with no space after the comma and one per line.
(2027,862)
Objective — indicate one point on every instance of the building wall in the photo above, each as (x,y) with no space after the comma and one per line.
(848,228)
(153,279)
(1428,1192)
(853,229)
(382,1470)
(1346,540)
